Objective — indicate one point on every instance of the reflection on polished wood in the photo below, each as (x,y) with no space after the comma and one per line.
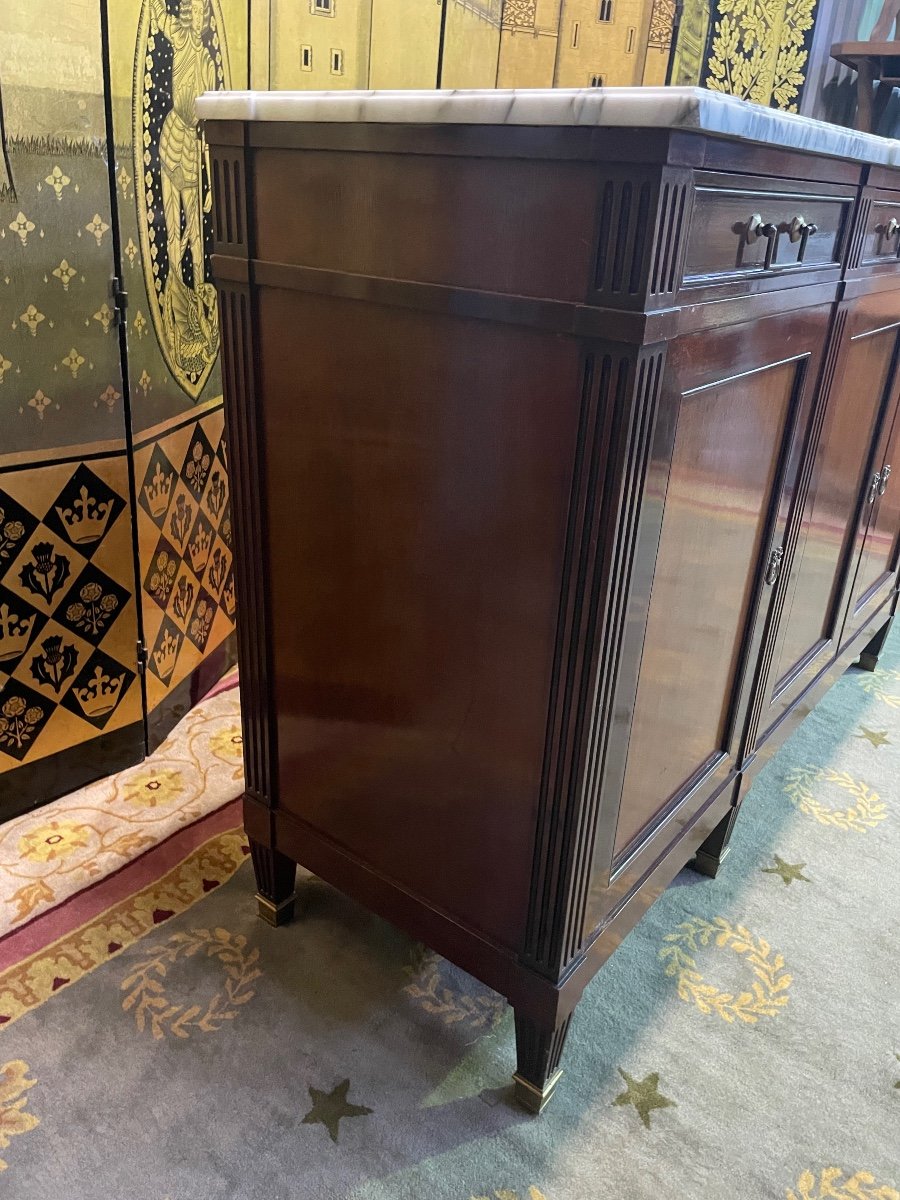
(543,542)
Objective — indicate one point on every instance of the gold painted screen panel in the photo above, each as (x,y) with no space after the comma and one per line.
(163,54)
(68,621)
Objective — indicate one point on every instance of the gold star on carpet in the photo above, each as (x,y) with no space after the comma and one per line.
(329,1107)
(789,872)
(875,736)
(644,1095)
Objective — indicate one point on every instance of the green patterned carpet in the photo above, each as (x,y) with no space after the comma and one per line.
(743,1041)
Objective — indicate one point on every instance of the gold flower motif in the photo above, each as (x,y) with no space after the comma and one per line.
(14,1120)
(227,744)
(139,324)
(104,315)
(124,179)
(108,397)
(22,226)
(131,251)
(154,789)
(54,840)
(39,401)
(73,361)
(65,274)
(32,318)
(58,181)
(97,226)
(144,382)
(5,365)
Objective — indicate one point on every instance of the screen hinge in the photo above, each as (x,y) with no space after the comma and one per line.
(120,300)
(141,658)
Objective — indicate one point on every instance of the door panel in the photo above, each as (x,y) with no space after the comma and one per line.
(876,573)
(812,611)
(738,397)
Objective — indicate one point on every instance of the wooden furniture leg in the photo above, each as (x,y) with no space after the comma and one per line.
(275,874)
(868,658)
(712,853)
(865,92)
(538,1051)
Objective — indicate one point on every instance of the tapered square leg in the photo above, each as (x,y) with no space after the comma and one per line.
(275,875)
(538,1053)
(712,853)
(869,657)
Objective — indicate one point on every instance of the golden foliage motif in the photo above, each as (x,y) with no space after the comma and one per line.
(768,993)
(14,1120)
(866,811)
(430,987)
(832,1184)
(147,997)
(758,50)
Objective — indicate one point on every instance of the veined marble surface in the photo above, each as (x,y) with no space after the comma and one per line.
(648,108)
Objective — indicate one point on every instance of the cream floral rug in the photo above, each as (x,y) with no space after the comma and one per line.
(49,855)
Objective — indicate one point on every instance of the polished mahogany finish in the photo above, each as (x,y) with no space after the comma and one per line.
(565,480)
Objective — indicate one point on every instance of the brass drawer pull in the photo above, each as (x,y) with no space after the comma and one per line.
(757,228)
(885,476)
(801,231)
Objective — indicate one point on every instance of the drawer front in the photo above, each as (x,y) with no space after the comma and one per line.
(741,232)
(881,241)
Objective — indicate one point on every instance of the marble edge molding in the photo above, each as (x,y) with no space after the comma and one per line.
(669,108)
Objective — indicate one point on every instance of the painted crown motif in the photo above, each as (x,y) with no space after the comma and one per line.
(15,632)
(101,695)
(158,491)
(198,549)
(165,656)
(228,597)
(87,519)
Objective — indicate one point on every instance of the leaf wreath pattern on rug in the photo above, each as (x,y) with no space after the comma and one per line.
(832,1184)
(439,989)
(330,1108)
(148,998)
(883,683)
(768,992)
(644,1094)
(803,786)
(14,1120)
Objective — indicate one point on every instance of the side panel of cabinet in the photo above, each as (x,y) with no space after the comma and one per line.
(811,606)
(734,404)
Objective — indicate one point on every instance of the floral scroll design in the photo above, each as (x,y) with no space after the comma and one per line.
(834,1184)
(14,1120)
(759,50)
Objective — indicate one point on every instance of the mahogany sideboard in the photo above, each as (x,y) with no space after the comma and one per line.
(564,438)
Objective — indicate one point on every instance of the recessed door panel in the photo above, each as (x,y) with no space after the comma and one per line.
(812,612)
(725,469)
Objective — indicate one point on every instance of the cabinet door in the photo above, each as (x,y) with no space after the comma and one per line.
(734,409)
(812,601)
(876,573)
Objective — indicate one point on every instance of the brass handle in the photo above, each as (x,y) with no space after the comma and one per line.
(773,566)
(801,231)
(874,487)
(885,476)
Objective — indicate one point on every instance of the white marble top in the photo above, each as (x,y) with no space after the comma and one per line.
(650,108)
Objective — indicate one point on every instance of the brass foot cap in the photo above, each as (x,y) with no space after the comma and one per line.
(275,914)
(708,864)
(530,1096)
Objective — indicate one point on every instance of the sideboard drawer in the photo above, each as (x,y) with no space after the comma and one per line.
(881,240)
(743,228)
